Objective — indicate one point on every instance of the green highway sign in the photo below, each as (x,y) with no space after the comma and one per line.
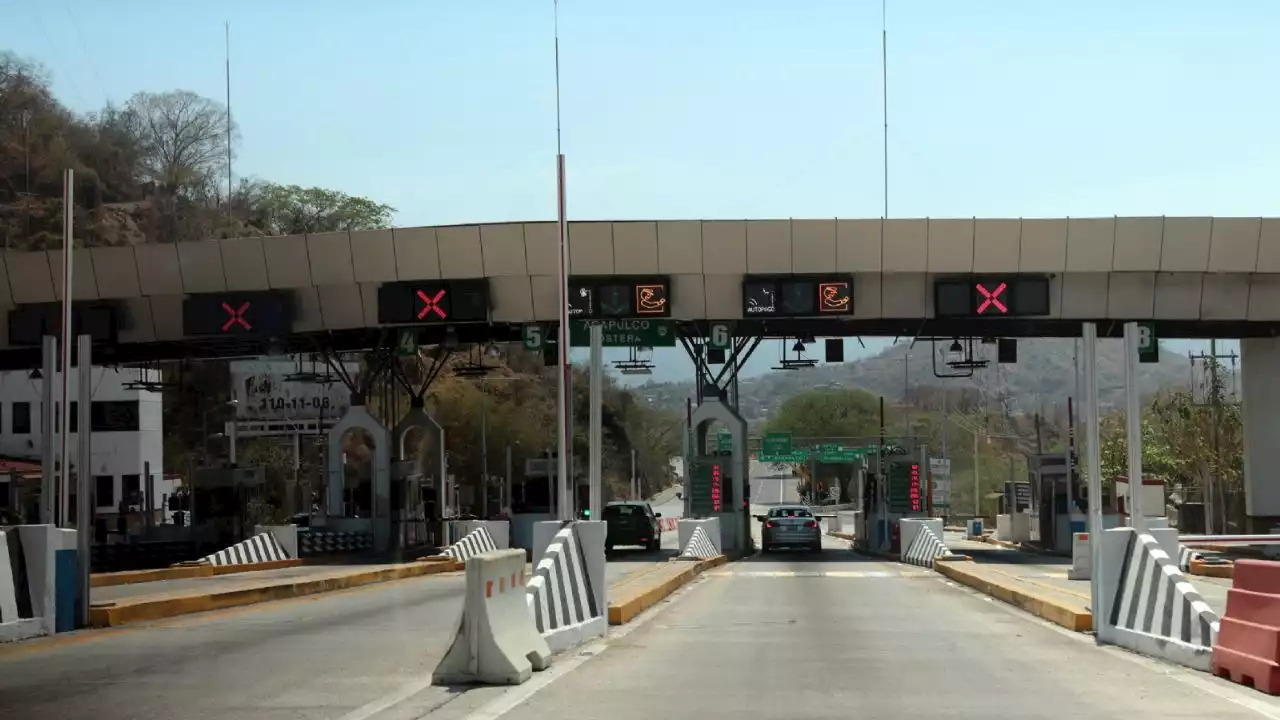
(776,443)
(1148,343)
(795,456)
(832,453)
(721,336)
(724,441)
(625,333)
(534,337)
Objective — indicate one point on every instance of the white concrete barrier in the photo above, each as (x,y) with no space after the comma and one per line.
(261,548)
(710,528)
(1081,557)
(286,536)
(567,595)
(1147,603)
(499,531)
(922,541)
(497,642)
(475,542)
(28,581)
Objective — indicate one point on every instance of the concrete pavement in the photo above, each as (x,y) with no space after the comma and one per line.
(839,636)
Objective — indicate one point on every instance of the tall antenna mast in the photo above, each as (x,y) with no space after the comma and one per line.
(230,222)
(564,485)
(884,82)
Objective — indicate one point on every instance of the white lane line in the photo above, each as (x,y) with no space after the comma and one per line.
(388,701)
(559,668)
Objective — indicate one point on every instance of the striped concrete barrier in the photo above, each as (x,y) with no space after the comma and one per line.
(566,595)
(1148,604)
(699,547)
(261,548)
(472,544)
(923,542)
(28,605)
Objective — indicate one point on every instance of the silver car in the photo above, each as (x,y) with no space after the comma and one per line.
(791,526)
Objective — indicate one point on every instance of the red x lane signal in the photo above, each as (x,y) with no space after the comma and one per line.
(431,304)
(235,317)
(991,299)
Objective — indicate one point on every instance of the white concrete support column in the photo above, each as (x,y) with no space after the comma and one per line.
(595,433)
(1093,462)
(1260,410)
(84,471)
(1133,426)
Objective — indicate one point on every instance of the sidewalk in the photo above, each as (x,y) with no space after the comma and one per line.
(1038,583)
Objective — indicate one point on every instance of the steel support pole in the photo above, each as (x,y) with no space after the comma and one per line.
(508,494)
(48,433)
(564,440)
(1093,464)
(1133,423)
(484,451)
(68,294)
(596,390)
(84,470)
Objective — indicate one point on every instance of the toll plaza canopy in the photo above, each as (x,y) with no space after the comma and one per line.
(1198,276)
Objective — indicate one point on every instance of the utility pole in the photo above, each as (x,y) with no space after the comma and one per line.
(1212,511)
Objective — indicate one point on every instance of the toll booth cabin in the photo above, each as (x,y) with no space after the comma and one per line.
(891,487)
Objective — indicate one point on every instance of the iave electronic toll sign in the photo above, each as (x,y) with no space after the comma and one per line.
(991,296)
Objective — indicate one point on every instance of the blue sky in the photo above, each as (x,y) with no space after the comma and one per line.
(715,108)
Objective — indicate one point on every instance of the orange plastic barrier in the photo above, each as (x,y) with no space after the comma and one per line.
(1248,647)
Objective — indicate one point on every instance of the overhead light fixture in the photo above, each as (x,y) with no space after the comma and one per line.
(36,374)
(798,347)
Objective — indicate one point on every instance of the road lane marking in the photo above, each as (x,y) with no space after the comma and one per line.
(820,573)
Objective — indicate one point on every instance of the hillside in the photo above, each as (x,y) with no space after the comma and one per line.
(1042,377)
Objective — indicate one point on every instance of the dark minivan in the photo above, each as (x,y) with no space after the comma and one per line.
(632,523)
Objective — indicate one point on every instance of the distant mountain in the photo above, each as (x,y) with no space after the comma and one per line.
(1043,376)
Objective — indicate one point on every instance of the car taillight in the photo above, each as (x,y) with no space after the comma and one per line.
(811,523)
(770,524)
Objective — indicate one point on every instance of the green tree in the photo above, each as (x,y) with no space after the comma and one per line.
(293,210)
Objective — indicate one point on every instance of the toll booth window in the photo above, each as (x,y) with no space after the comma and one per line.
(22,418)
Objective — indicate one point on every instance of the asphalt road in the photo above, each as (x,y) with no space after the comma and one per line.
(322,656)
(839,636)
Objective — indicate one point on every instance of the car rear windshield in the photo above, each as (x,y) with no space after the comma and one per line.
(790,512)
(617,511)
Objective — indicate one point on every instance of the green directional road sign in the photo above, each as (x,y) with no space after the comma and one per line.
(724,441)
(626,333)
(1148,343)
(407,343)
(721,336)
(795,456)
(776,443)
(832,453)
(534,337)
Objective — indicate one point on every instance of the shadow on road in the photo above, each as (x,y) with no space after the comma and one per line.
(639,554)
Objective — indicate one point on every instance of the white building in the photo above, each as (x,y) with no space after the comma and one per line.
(127,434)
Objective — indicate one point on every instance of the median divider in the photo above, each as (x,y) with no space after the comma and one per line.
(1057,608)
(643,590)
(184,572)
(158,607)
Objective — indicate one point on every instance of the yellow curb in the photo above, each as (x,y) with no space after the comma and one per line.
(1214,570)
(621,612)
(184,572)
(142,609)
(1071,618)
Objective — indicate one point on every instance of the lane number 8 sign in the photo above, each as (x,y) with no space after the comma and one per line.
(721,336)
